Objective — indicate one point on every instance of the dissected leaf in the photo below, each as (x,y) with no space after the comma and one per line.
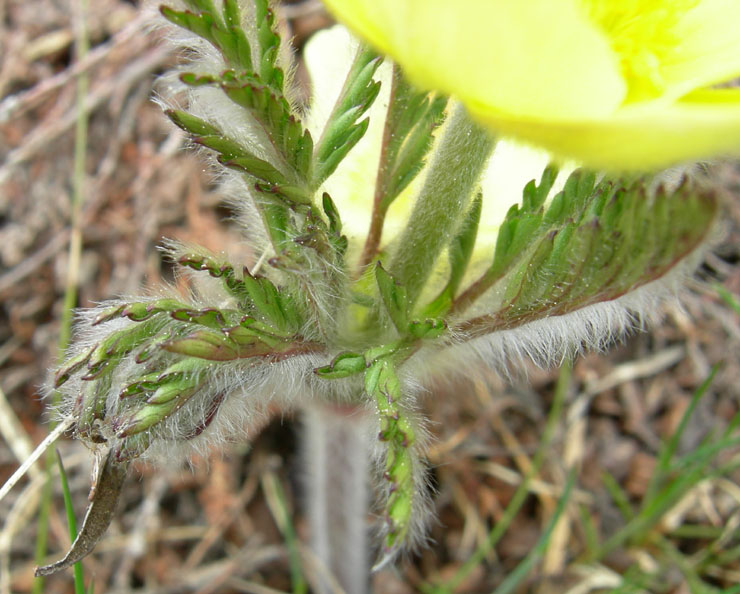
(343,365)
(594,243)
(342,130)
(394,298)
(397,435)
(428,329)
(413,116)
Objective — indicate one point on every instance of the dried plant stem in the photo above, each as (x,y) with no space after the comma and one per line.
(337,450)
(524,488)
(37,453)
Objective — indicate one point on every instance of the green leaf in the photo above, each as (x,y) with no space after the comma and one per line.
(217,267)
(109,351)
(211,317)
(183,369)
(413,116)
(137,311)
(197,80)
(222,30)
(342,130)
(343,365)
(281,167)
(289,194)
(278,224)
(72,366)
(232,16)
(397,434)
(338,241)
(192,124)
(166,401)
(518,229)
(394,298)
(254,166)
(427,329)
(534,195)
(333,155)
(461,247)
(252,333)
(268,44)
(275,305)
(201,24)
(383,351)
(460,252)
(594,243)
(269,108)
(238,342)
(91,407)
(274,114)
(204,344)
(335,223)
(232,154)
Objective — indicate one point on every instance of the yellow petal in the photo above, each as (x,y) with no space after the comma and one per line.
(709,48)
(371,21)
(530,58)
(638,136)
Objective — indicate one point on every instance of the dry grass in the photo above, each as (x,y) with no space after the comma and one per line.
(210,528)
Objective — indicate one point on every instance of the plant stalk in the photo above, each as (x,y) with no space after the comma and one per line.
(377,219)
(454,173)
(337,442)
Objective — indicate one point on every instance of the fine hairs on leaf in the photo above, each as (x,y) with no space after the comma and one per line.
(351,331)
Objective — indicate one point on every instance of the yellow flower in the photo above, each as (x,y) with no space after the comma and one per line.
(615,85)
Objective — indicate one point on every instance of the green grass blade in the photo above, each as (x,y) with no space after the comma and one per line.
(522,570)
(704,454)
(521,493)
(638,527)
(42,524)
(652,511)
(687,567)
(620,498)
(590,532)
(671,445)
(279,508)
(728,298)
(71,523)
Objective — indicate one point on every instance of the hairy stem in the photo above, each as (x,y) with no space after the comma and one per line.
(372,243)
(337,449)
(453,175)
